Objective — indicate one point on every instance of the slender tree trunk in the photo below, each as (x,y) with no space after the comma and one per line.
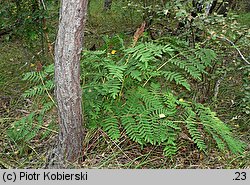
(67,78)
(107,5)
(226,5)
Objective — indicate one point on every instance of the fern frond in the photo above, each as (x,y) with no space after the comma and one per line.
(22,130)
(46,107)
(145,53)
(116,71)
(170,146)
(32,76)
(39,89)
(136,74)
(111,87)
(170,101)
(178,78)
(132,129)
(192,127)
(206,56)
(192,70)
(219,129)
(150,100)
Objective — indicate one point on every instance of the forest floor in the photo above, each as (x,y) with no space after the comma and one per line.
(99,150)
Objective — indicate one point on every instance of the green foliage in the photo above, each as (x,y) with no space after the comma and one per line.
(219,131)
(122,91)
(111,126)
(193,127)
(131,90)
(142,117)
(145,62)
(23,129)
(47,84)
(24,15)
(32,126)
(202,122)
(246,85)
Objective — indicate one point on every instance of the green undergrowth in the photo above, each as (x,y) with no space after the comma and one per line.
(117,20)
(13,62)
(244,19)
(124,92)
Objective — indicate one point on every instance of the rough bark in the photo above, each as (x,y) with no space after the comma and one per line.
(67,78)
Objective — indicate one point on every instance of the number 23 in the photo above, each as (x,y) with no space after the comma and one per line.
(241,176)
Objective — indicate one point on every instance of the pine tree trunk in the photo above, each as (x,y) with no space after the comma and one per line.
(67,78)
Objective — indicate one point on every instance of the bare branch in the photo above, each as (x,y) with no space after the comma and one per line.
(231,42)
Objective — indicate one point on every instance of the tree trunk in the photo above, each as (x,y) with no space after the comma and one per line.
(226,5)
(67,78)
(107,5)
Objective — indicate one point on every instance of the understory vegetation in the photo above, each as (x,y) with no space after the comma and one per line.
(164,85)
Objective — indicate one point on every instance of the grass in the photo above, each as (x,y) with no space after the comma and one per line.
(15,56)
(13,62)
(244,19)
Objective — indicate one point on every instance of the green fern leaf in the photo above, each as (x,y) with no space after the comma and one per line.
(111,126)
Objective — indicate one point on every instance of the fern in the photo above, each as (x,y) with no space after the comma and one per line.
(47,106)
(132,129)
(189,67)
(212,125)
(149,114)
(32,76)
(177,77)
(31,126)
(146,120)
(192,127)
(123,93)
(39,89)
(145,54)
(37,76)
(171,145)
(206,56)
(170,101)
(220,131)
(27,128)
(116,71)
(111,126)
(145,59)
(136,74)
(21,130)
(112,87)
